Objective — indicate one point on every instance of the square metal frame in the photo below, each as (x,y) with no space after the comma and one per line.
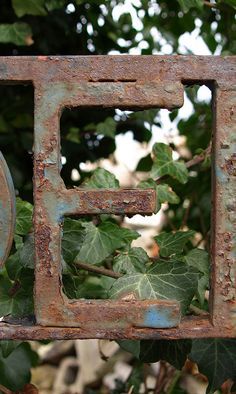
(127,82)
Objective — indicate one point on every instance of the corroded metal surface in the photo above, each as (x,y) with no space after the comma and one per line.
(129,82)
(7,210)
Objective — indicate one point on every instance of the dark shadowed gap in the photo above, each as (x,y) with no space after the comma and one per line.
(16,135)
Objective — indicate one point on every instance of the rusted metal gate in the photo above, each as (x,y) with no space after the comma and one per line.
(126,82)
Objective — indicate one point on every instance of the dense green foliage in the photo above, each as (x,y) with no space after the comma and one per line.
(181,269)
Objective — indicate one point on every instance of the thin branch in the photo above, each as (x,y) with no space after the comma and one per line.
(5,390)
(98,270)
(197,311)
(199,158)
(210,5)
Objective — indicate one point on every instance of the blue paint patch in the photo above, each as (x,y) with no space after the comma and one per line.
(156,318)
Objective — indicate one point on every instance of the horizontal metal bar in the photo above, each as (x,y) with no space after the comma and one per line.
(126,95)
(190,327)
(119,202)
(139,68)
(115,314)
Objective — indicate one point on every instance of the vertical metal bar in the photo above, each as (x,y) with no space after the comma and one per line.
(223,299)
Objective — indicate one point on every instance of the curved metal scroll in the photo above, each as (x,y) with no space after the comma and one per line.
(7,210)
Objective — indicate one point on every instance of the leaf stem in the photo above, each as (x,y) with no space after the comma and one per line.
(98,270)
(5,390)
(210,5)
(199,158)
(175,379)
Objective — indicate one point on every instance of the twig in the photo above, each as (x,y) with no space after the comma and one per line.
(131,390)
(101,354)
(199,158)
(197,311)
(5,390)
(174,381)
(210,5)
(186,213)
(14,289)
(98,270)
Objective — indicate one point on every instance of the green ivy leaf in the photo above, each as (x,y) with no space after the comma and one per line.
(131,260)
(18,241)
(54,4)
(136,378)
(172,243)
(231,3)
(72,240)
(24,211)
(165,165)
(15,369)
(130,346)
(215,359)
(16,302)
(101,179)
(29,7)
(18,33)
(107,128)
(7,347)
(186,5)
(174,352)
(199,259)
(164,193)
(101,241)
(145,164)
(26,253)
(176,281)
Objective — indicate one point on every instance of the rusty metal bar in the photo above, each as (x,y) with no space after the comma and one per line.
(223,296)
(118,202)
(190,327)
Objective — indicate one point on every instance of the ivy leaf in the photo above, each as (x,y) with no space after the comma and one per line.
(54,4)
(29,7)
(130,346)
(15,369)
(18,241)
(107,128)
(136,378)
(199,259)
(165,165)
(101,241)
(145,164)
(72,240)
(131,260)
(7,347)
(172,243)
(164,193)
(186,5)
(26,253)
(231,3)
(16,299)
(174,352)
(167,280)
(24,211)
(101,179)
(215,359)
(18,33)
